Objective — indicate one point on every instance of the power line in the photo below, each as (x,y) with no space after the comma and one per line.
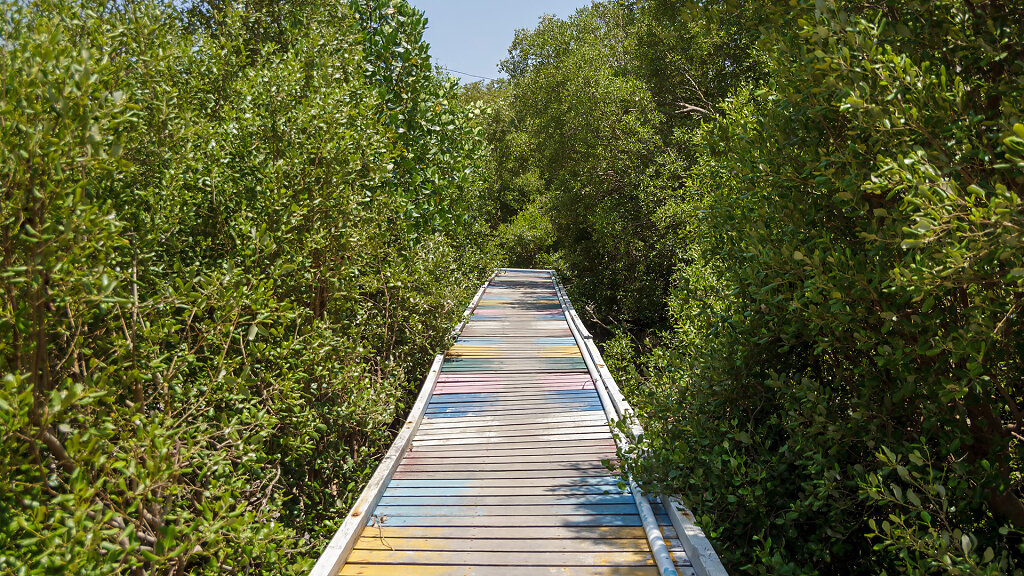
(468,74)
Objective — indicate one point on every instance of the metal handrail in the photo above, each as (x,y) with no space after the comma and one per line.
(698,548)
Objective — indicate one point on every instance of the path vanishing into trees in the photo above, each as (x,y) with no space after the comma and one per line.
(502,466)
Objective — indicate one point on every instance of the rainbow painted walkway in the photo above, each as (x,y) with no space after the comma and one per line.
(506,471)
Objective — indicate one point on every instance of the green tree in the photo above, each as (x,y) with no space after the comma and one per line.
(823,201)
(843,383)
(232,239)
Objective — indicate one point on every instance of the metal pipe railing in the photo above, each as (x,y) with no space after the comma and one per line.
(659,550)
(698,549)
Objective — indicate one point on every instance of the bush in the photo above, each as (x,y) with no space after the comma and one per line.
(803,222)
(844,386)
(232,239)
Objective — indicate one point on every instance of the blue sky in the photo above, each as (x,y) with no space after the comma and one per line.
(472,36)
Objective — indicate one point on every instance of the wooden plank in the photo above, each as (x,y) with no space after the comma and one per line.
(519,395)
(504,387)
(514,344)
(504,376)
(503,521)
(458,415)
(514,377)
(476,570)
(476,499)
(514,384)
(591,417)
(476,410)
(503,354)
(514,439)
(410,466)
(514,347)
(515,394)
(394,511)
(552,418)
(548,406)
(381,542)
(452,423)
(462,415)
(536,442)
(500,474)
(534,327)
(446,402)
(511,431)
(533,453)
(498,387)
(518,368)
(582,375)
(523,396)
(585,447)
(505,532)
(517,559)
(493,482)
(477,330)
(518,381)
(562,424)
(499,492)
(526,364)
(427,459)
(514,381)
(511,410)
(570,454)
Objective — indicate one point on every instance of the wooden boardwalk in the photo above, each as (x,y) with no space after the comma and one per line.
(505,468)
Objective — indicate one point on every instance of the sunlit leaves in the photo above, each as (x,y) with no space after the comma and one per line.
(224,272)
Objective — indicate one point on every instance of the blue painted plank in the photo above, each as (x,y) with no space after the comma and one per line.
(508,405)
(459,413)
(478,396)
(510,510)
(444,408)
(461,500)
(579,520)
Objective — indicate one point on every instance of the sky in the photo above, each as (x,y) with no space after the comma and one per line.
(473,36)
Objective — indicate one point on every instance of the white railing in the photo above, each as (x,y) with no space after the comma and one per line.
(698,548)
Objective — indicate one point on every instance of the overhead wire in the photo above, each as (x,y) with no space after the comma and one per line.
(447,69)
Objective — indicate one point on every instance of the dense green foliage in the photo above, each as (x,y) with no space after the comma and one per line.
(232,237)
(802,225)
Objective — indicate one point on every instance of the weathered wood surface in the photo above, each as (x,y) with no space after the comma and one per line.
(466,570)
(506,472)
